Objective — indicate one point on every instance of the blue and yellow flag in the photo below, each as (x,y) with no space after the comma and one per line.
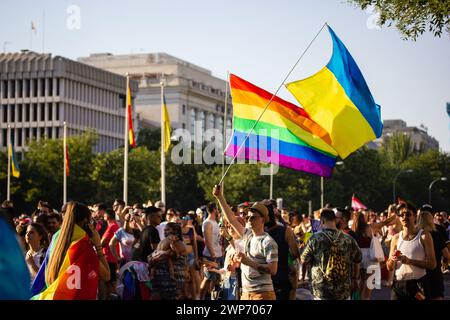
(339,100)
(14,164)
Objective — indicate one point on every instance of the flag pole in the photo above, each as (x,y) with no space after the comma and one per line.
(225,127)
(125,154)
(271,182)
(65,163)
(163,164)
(9,164)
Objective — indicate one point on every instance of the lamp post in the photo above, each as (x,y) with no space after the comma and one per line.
(431,185)
(339,163)
(395,181)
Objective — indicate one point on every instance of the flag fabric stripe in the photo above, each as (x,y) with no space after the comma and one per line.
(348,74)
(264,129)
(298,142)
(356,204)
(282,160)
(262,143)
(166,126)
(338,99)
(259,98)
(130,118)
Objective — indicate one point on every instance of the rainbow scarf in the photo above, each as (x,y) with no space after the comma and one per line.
(78,276)
(285,135)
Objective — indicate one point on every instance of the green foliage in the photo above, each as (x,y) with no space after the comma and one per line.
(99,177)
(411,17)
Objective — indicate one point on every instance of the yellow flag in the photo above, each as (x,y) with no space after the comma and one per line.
(166,126)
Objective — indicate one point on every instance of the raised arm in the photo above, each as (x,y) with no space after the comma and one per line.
(229,215)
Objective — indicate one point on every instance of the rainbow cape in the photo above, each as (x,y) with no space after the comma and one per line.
(338,99)
(285,135)
(78,276)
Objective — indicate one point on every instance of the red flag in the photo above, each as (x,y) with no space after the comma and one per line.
(356,204)
(67,161)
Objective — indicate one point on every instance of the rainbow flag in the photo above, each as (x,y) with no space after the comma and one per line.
(285,135)
(78,276)
(130,117)
(338,98)
(14,163)
(166,126)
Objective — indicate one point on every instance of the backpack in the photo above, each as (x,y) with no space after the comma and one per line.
(337,268)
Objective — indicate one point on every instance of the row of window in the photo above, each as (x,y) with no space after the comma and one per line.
(206,120)
(30,112)
(21,136)
(95,119)
(211,90)
(29,88)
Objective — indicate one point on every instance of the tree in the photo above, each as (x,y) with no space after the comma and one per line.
(411,17)
(149,138)
(397,149)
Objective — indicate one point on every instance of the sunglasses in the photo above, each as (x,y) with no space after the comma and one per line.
(251,217)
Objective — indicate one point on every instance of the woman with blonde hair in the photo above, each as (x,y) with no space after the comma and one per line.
(435,277)
(72,267)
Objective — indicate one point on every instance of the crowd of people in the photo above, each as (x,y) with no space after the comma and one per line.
(249,251)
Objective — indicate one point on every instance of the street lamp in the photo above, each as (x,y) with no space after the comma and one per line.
(339,163)
(431,185)
(395,181)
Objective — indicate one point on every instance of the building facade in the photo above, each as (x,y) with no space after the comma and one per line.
(419,136)
(195,98)
(39,92)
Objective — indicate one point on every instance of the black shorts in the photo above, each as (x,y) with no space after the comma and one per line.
(407,289)
(112,271)
(436,282)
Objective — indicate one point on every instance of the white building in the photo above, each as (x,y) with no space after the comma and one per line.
(192,93)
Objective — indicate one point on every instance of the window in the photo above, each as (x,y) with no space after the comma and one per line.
(42,108)
(27,113)
(35,87)
(5,138)
(184,109)
(12,113)
(57,112)
(50,87)
(49,132)
(19,88)
(34,135)
(4,89)
(19,137)
(42,133)
(184,125)
(27,134)
(5,112)
(35,112)
(13,89)
(27,88)
(57,87)
(50,111)
(19,116)
(192,121)
(42,94)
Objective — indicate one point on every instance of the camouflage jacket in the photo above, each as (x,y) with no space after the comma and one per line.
(316,255)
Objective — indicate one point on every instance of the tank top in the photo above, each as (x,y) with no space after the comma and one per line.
(413,249)
(279,235)
(215,239)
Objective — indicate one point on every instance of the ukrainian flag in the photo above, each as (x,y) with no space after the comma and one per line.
(339,100)
(14,164)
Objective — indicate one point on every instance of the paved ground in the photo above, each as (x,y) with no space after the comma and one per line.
(382,294)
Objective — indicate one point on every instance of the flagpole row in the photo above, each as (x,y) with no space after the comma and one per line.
(270,101)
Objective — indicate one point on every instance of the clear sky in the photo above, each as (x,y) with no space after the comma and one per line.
(259,40)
